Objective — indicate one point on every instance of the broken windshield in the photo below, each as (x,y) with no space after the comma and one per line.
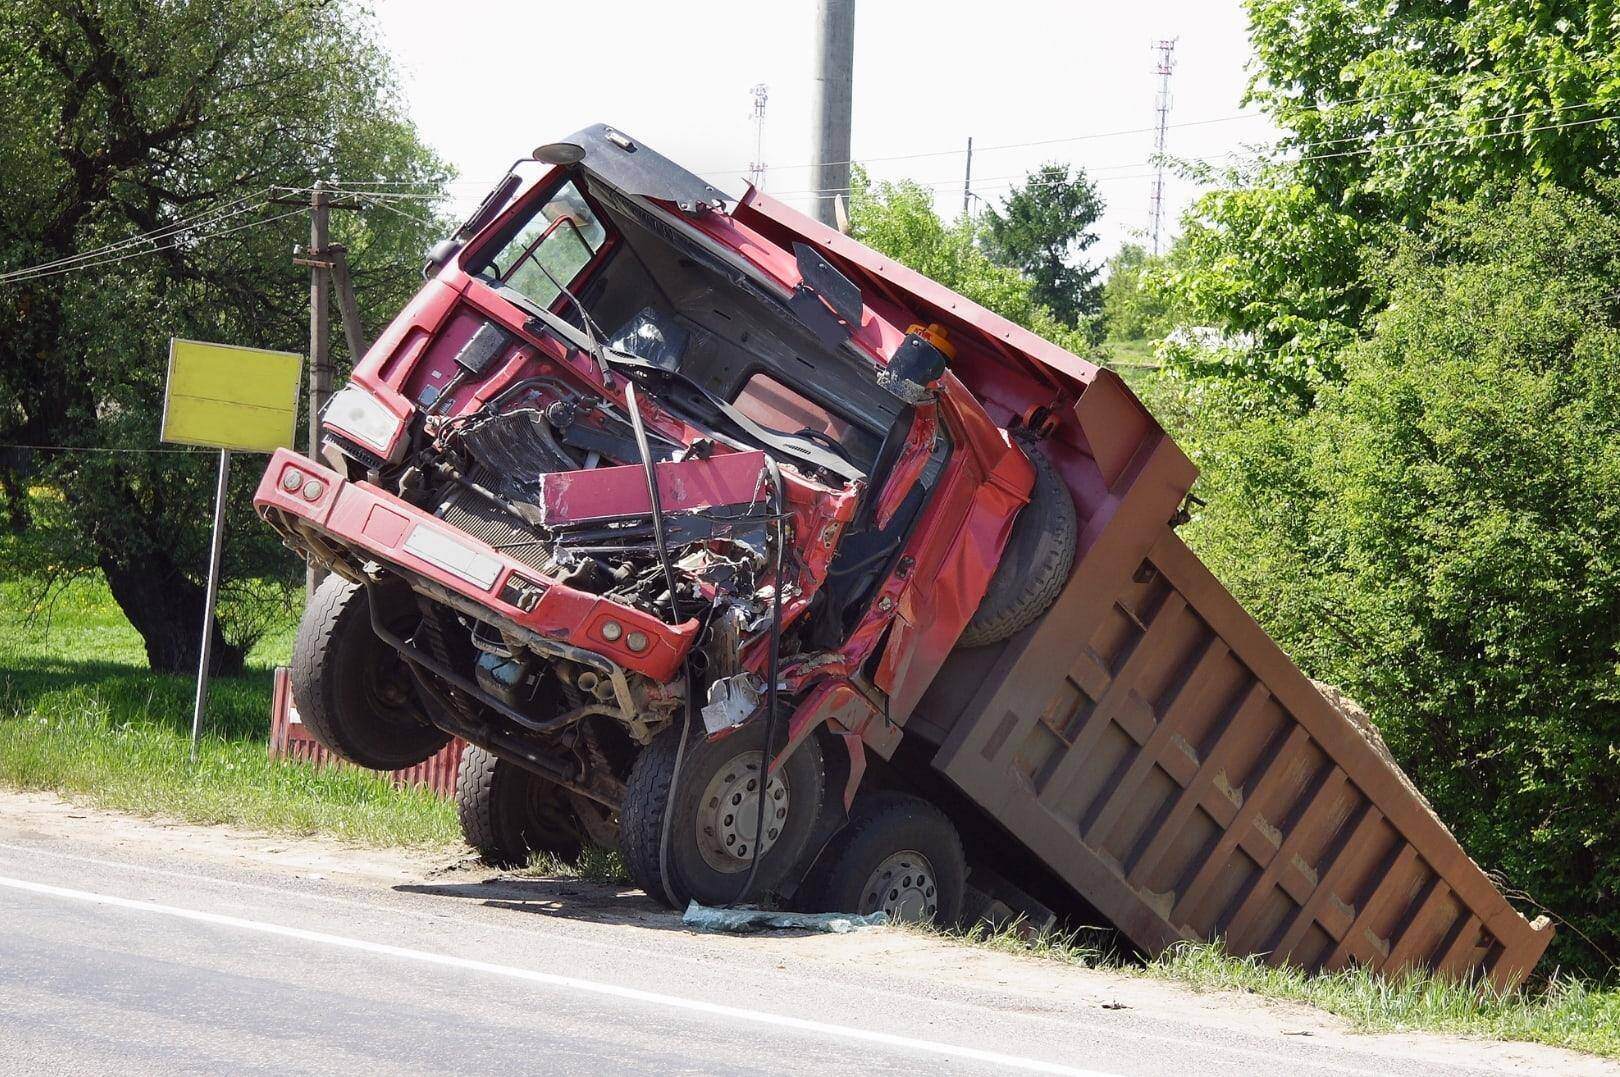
(544,249)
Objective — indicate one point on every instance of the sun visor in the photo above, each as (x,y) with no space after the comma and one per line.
(627,165)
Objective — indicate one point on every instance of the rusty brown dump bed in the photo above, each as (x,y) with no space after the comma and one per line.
(1154,747)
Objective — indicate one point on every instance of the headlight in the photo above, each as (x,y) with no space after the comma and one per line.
(362,416)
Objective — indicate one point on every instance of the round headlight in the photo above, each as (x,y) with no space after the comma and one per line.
(313,489)
(612,630)
(291,480)
(636,641)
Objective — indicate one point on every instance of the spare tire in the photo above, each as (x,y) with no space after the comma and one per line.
(1036,563)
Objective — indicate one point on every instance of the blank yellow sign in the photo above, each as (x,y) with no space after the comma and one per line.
(228,397)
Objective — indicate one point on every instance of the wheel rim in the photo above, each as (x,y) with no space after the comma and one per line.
(904,886)
(385,679)
(728,814)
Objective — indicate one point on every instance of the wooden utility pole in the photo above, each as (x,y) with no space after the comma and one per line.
(320,361)
(337,257)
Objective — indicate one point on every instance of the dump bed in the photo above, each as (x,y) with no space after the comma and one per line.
(1159,752)
(1145,738)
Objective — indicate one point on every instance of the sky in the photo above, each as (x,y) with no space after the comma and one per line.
(1030,82)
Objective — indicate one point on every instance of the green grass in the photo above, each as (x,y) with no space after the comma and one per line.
(595,865)
(82,715)
(1563,1012)
(1130,353)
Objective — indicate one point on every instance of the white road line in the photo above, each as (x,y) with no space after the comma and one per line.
(674,1002)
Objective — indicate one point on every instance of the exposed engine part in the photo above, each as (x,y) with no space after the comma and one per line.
(732,701)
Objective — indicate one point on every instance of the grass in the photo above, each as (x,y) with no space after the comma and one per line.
(595,865)
(83,716)
(1563,1012)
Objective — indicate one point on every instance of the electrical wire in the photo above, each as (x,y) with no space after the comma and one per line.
(22,276)
(108,449)
(772,675)
(196,220)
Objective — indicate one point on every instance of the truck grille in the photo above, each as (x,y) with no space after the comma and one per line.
(488,522)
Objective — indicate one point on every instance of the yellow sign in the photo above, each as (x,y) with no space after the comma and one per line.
(230,398)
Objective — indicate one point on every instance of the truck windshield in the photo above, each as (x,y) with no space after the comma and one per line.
(559,238)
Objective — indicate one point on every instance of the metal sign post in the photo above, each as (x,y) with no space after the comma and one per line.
(208,601)
(227,398)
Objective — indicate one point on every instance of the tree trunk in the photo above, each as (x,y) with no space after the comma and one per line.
(167,610)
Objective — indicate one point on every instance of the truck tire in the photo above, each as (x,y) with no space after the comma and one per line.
(508,813)
(1036,563)
(352,690)
(714,818)
(898,854)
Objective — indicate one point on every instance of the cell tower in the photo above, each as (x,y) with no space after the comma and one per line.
(756,171)
(1161,107)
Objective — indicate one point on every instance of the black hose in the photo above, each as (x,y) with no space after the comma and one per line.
(633,405)
(772,672)
(674,780)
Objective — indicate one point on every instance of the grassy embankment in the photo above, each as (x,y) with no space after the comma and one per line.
(82,715)
(1560,1011)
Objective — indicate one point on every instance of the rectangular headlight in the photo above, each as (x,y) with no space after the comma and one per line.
(434,546)
(362,416)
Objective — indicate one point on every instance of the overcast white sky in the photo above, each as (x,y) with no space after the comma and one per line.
(487,81)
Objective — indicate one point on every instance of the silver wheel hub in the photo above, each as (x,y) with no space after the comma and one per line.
(904,886)
(728,814)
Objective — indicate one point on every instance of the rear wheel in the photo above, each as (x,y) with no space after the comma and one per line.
(508,813)
(714,831)
(898,854)
(352,690)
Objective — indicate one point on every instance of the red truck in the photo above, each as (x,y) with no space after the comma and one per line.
(725,540)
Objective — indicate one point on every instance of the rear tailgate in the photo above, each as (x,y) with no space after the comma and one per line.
(1150,743)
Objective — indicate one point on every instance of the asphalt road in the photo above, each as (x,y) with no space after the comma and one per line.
(143,962)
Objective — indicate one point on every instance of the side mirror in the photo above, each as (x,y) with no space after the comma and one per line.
(918,364)
(440,255)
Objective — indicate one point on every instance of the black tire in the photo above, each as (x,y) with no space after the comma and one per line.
(1036,563)
(888,826)
(352,690)
(709,870)
(508,813)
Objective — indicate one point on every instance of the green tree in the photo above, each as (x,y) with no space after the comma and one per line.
(1387,111)
(172,121)
(1437,535)
(899,220)
(1043,229)
(1133,308)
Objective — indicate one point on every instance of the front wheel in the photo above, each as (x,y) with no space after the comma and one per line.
(714,827)
(898,854)
(352,690)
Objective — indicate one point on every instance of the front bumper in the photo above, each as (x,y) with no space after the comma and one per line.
(374,525)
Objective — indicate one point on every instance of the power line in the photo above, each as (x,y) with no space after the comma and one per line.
(20,277)
(195,220)
(110,449)
(1383,142)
